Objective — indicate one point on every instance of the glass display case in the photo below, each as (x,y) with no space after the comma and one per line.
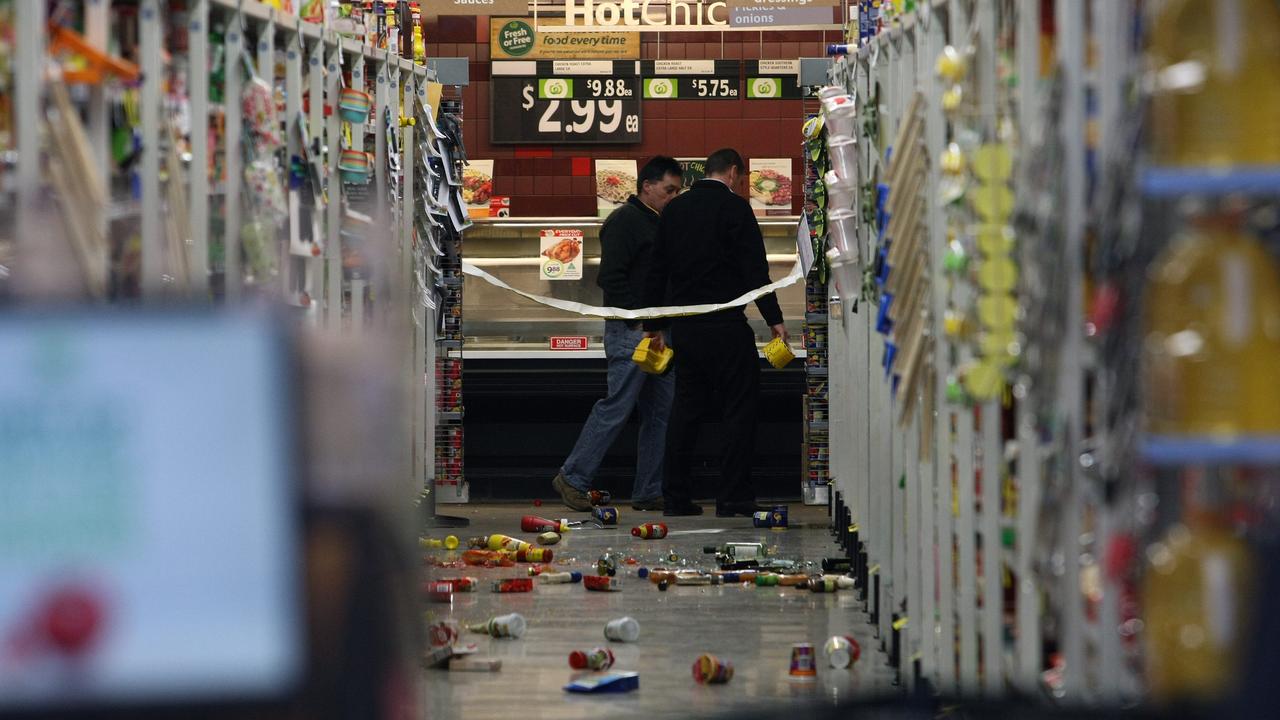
(500,323)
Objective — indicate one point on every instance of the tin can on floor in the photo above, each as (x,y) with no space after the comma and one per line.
(842,651)
(711,670)
(605,515)
(802,662)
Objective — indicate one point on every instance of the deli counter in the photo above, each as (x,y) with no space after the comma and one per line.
(498,323)
(525,402)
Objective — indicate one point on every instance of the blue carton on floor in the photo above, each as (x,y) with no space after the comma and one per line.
(612,682)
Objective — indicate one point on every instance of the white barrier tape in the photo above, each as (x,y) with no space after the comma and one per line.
(614,313)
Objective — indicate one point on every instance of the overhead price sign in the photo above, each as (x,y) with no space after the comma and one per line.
(773,79)
(692,79)
(599,103)
(525,39)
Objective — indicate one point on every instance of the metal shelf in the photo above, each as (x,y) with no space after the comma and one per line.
(816,371)
(815,317)
(1170,182)
(1171,450)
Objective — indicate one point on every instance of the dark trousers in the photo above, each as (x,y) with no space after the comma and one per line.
(717,371)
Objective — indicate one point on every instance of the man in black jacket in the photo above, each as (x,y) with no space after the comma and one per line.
(626,246)
(709,249)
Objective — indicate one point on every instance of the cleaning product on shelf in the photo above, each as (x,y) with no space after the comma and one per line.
(1197,590)
(1213,333)
(1216,100)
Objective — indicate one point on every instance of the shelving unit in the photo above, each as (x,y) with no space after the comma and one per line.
(346,252)
(995,526)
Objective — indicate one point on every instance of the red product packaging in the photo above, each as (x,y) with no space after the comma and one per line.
(513,585)
(601,583)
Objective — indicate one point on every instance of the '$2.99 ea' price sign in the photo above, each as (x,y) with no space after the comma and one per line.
(566,110)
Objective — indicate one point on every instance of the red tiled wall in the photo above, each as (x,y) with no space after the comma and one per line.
(542,180)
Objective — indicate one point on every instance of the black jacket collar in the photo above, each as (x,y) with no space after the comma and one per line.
(708,183)
(639,205)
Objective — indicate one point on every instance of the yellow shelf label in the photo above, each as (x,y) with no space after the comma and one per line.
(874,569)
(900,623)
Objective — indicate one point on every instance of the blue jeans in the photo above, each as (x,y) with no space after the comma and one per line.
(628,386)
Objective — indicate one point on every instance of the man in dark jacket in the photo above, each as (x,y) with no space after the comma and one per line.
(626,246)
(709,249)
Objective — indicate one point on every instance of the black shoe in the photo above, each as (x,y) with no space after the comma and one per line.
(651,504)
(734,509)
(682,510)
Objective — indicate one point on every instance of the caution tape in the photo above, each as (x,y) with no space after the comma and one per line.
(615,313)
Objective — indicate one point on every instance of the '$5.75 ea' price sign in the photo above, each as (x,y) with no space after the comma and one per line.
(565,110)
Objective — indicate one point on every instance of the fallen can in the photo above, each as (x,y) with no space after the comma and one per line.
(823,583)
(560,578)
(502,626)
(842,651)
(605,515)
(658,575)
(766,580)
(600,658)
(836,565)
(535,524)
(800,580)
(802,662)
(534,555)
(710,670)
(650,531)
(600,497)
(438,592)
(601,583)
(692,577)
(444,633)
(607,565)
(775,518)
(623,629)
(548,538)
(513,585)
(460,584)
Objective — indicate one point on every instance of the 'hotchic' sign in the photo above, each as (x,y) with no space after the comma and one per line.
(593,15)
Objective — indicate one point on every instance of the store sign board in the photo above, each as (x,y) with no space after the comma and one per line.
(770,185)
(773,79)
(683,15)
(756,17)
(477,187)
(560,255)
(477,7)
(694,169)
(562,342)
(615,182)
(532,105)
(692,79)
(525,38)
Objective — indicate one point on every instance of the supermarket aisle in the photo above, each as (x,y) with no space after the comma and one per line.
(753,628)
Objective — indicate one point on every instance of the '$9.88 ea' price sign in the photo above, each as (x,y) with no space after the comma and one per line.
(568,110)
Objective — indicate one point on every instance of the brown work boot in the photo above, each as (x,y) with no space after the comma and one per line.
(573,498)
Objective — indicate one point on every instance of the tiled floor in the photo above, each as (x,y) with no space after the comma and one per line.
(753,628)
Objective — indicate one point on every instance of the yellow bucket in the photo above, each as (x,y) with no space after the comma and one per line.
(778,353)
(651,361)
